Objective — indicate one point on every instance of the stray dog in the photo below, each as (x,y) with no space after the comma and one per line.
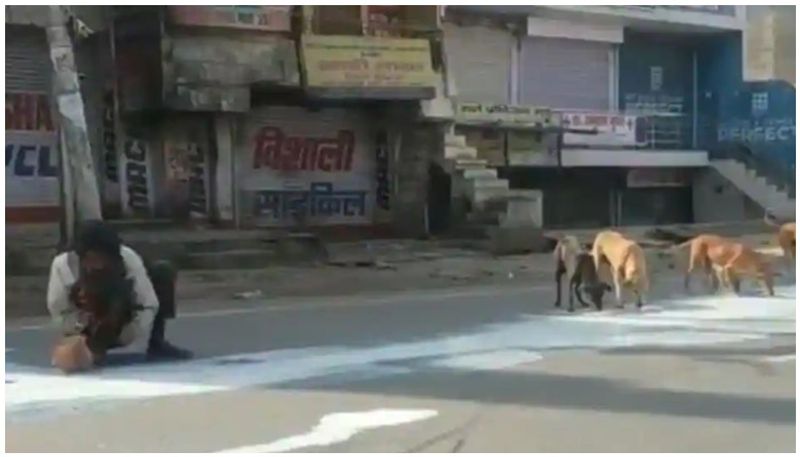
(578,265)
(736,260)
(627,261)
(698,258)
(786,239)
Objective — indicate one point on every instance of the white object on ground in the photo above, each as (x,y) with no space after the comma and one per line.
(781,358)
(684,322)
(340,427)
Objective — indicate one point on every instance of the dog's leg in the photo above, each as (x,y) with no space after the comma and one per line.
(733,281)
(618,287)
(573,290)
(559,272)
(578,294)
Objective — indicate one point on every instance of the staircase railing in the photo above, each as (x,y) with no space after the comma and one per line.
(776,172)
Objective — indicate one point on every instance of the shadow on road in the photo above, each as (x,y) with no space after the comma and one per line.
(569,392)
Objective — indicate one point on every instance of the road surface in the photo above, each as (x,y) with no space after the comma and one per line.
(472,370)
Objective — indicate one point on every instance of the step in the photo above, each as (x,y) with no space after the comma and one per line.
(465,163)
(455,140)
(480,173)
(493,183)
(454,152)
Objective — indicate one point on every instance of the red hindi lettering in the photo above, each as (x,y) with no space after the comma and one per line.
(279,152)
(339,151)
(269,142)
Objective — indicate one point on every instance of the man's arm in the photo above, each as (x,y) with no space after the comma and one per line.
(64,313)
(144,294)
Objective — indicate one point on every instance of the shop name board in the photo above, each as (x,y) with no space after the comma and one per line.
(278,151)
(31,169)
(267,18)
(366,62)
(28,112)
(198,199)
(725,10)
(136,176)
(768,131)
(382,189)
(30,160)
(31,151)
(504,114)
(611,129)
(319,200)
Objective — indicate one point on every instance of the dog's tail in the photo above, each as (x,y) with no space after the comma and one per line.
(685,244)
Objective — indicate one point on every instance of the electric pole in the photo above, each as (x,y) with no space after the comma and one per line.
(78,176)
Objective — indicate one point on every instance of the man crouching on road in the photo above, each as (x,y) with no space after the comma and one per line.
(102,296)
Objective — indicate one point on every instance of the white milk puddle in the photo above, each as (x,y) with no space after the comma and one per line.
(496,360)
(689,321)
(781,358)
(340,427)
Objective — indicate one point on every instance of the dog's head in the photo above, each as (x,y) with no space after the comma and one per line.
(596,291)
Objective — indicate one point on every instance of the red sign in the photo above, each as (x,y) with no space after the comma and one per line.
(274,149)
(268,18)
(28,112)
(612,130)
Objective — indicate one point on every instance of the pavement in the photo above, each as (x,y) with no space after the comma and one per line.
(470,368)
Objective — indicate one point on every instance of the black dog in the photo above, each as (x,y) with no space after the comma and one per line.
(584,279)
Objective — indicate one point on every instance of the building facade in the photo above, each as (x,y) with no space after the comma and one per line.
(276,116)
(642,90)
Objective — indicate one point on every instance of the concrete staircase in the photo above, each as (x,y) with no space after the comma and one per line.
(472,177)
(757,188)
(493,210)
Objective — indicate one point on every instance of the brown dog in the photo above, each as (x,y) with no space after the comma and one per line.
(786,239)
(698,257)
(571,259)
(731,259)
(627,262)
(738,260)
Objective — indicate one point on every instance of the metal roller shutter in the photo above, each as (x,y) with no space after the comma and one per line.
(479,58)
(565,73)
(27,60)
(299,129)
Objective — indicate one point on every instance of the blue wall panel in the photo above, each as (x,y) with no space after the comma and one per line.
(643,53)
(761,116)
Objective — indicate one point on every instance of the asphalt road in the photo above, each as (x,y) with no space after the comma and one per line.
(472,370)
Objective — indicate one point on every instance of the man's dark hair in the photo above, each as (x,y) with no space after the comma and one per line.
(99,237)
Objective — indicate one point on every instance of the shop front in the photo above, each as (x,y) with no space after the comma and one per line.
(32,176)
(298,167)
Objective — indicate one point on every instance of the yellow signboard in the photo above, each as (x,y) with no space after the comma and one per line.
(368,62)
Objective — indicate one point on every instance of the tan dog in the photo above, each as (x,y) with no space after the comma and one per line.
(627,262)
(737,260)
(698,257)
(786,239)
(72,355)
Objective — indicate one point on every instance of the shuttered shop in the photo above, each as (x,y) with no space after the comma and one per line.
(479,60)
(565,73)
(306,167)
(27,60)
(31,159)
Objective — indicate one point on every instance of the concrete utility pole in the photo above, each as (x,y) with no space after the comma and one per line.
(79,179)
